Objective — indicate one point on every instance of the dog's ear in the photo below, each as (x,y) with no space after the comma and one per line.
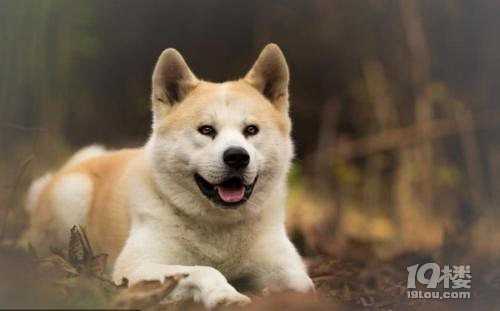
(172,79)
(269,75)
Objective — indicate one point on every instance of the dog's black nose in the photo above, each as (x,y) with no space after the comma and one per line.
(236,157)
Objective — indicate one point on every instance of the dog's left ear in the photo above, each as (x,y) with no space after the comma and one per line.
(269,75)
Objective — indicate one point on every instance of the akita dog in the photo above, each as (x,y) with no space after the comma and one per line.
(205,197)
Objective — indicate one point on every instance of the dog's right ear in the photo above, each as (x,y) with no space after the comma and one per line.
(172,79)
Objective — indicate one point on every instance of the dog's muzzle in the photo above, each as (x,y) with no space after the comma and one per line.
(231,193)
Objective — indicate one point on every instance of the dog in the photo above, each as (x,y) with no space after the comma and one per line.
(205,197)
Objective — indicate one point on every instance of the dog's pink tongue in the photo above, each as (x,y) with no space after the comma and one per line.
(231,194)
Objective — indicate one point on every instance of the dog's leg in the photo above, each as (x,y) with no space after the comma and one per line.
(202,284)
(279,266)
(141,260)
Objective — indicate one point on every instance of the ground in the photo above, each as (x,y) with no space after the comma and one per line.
(75,278)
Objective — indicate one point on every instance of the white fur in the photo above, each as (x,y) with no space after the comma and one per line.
(180,231)
(71,198)
(85,154)
(69,201)
(39,184)
(35,190)
(175,229)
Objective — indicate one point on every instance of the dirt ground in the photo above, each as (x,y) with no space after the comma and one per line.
(357,280)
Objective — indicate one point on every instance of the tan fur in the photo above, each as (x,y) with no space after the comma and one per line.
(108,217)
(146,209)
(204,95)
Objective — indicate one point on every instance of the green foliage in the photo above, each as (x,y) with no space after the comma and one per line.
(448,175)
(347,174)
(295,178)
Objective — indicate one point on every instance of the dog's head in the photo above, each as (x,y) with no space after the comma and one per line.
(220,149)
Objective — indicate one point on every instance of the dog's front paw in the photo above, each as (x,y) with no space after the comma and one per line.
(224,297)
(209,287)
(301,283)
(297,281)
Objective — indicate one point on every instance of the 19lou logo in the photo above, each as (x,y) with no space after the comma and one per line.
(458,278)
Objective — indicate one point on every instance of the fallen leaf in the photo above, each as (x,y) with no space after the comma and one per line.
(98,265)
(146,294)
(79,250)
(55,262)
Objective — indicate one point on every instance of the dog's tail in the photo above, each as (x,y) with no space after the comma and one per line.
(40,183)
(35,190)
(85,154)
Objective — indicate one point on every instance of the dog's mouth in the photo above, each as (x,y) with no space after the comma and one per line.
(229,194)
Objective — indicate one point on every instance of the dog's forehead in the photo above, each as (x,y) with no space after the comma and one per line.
(228,103)
(232,95)
(229,100)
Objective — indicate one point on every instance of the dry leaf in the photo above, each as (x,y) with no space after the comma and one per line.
(79,251)
(55,262)
(146,293)
(98,265)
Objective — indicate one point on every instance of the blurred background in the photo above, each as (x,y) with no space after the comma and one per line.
(394,103)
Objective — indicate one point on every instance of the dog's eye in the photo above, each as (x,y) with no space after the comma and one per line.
(250,130)
(207,130)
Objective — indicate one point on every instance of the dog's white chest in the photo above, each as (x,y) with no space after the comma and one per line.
(222,249)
